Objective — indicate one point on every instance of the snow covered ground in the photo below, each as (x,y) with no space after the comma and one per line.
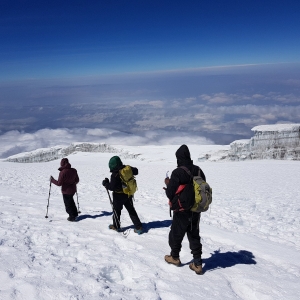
(250,236)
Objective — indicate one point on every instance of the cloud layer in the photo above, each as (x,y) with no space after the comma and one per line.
(215,104)
(14,142)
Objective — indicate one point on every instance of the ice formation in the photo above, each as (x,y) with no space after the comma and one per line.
(280,141)
(57,152)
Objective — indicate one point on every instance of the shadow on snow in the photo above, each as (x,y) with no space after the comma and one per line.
(104,213)
(228,259)
(156,224)
(152,225)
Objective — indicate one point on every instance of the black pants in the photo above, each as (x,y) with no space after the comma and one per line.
(120,200)
(185,222)
(71,208)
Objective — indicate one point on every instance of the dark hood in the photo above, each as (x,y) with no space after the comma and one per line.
(183,156)
(64,164)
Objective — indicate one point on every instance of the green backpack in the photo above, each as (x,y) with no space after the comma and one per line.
(203,192)
(129,185)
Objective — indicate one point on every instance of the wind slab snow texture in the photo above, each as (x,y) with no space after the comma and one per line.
(250,236)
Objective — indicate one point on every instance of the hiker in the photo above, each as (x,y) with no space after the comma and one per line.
(121,199)
(186,221)
(67,179)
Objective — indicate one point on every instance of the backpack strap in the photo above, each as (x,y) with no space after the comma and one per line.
(187,170)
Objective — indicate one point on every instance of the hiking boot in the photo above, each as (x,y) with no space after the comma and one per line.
(172,260)
(139,230)
(196,268)
(112,227)
(71,219)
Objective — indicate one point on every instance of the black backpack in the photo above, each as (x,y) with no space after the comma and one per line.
(184,198)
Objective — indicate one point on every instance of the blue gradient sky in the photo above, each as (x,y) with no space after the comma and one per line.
(218,67)
(76,38)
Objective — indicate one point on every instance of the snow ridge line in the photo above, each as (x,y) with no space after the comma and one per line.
(58,152)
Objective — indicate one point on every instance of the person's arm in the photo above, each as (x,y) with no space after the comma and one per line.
(172,186)
(76,178)
(135,171)
(113,182)
(58,182)
(202,174)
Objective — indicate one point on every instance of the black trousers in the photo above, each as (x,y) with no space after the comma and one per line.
(185,222)
(120,200)
(71,208)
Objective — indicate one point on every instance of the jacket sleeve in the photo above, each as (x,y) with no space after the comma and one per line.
(135,171)
(76,178)
(112,185)
(173,185)
(202,174)
(59,181)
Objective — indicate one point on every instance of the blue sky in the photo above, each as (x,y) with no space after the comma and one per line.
(75,38)
(215,58)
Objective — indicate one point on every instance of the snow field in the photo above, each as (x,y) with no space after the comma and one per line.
(250,236)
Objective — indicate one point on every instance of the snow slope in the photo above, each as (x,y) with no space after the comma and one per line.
(251,239)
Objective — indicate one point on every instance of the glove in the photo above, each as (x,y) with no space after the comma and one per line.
(51,178)
(167,180)
(105,182)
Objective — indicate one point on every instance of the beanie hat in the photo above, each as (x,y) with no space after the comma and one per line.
(114,162)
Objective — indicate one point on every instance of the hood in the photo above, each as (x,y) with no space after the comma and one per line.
(64,164)
(183,156)
(114,163)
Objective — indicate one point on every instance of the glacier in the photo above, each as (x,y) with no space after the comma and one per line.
(58,152)
(279,141)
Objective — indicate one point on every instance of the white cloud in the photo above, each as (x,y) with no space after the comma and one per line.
(14,142)
(190,99)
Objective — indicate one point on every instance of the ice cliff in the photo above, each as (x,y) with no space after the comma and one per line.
(58,152)
(280,141)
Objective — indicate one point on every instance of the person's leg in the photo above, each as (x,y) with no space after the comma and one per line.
(193,235)
(177,232)
(117,209)
(195,244)
(132,213)
(70,206)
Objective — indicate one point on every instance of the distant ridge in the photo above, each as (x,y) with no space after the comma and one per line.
(58,152)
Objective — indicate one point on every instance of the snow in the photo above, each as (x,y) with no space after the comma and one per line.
(280,141)
(250,235)
(276,127)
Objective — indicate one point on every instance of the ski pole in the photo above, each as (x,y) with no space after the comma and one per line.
(48,201)
(117,221)
(78,203)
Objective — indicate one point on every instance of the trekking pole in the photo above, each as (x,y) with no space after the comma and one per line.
(117,221)
(48,201)
(78,203)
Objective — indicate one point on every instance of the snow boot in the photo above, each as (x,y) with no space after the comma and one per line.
(171,260)
(196,268)
(71,219)
(139,230)
(112,227)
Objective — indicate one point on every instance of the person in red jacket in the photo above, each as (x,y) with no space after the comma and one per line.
(67,179)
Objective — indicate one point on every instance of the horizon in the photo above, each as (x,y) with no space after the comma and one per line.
(203,71)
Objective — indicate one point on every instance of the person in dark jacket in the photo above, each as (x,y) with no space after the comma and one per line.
(67,179)
(121,199)
(184,222)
